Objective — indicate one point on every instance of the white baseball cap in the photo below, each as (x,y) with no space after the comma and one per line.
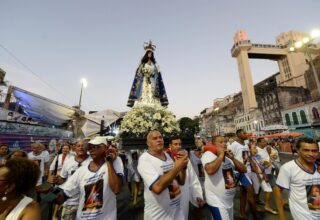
(98,140)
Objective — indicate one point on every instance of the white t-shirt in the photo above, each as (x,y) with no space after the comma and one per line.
(40,159)
(220,188)
(190,191)
(197,166)
(46,155)
(265,157)
(304,190)
(68,169)
(53,163)
(97,200)
(166,205)
(241,153)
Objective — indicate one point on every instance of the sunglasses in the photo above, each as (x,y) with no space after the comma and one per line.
(94,147)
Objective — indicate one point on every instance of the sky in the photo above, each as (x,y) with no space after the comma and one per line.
(46,47)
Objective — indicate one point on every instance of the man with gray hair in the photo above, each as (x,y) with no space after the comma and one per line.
(162,178)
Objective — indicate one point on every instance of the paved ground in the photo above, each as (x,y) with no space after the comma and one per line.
(127,212)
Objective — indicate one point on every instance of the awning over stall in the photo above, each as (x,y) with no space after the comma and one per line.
(43,109)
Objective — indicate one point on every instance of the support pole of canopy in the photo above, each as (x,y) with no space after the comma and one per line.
(101,127)
(8,97)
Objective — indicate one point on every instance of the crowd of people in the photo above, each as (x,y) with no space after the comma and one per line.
(83,179)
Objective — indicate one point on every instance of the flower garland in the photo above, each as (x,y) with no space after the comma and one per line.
(143,118)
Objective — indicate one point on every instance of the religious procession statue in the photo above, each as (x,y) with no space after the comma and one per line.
(148,87)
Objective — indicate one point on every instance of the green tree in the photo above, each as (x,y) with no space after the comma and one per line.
(188,126)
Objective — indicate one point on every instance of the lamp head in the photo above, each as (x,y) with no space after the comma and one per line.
(84,82)
(315,33)
(298,44)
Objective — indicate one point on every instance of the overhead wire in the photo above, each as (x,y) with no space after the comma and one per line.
(35,74)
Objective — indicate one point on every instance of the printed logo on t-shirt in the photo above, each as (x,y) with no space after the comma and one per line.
(229,178)
(174,189)
(313,197)
(245,156)
(200,170)
(257,164)
(93,196)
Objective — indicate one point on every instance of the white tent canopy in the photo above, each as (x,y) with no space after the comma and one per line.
(92,124)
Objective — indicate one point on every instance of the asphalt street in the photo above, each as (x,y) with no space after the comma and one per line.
(126,211)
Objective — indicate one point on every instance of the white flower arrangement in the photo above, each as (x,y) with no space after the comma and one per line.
(143,118)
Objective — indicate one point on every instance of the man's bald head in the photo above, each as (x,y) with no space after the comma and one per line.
(150,134)
(155,141)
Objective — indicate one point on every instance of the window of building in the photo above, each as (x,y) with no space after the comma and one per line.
(295,118)
(288,122)
(315,113)
(303,117)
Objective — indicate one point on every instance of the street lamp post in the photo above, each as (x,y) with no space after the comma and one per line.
(306,43)
(83,85)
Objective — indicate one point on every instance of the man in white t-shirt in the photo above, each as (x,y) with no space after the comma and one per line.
(81,158)
(191,190)
(40,158)
(241,152)
(267,165)
(302,179)
(162,178)
(195,159)
(97,183)
(220,183)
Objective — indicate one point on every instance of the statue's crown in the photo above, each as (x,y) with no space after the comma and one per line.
(148,46)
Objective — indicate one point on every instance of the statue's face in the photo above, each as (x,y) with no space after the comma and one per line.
(149,54)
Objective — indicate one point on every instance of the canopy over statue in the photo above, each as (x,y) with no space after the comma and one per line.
(148,87)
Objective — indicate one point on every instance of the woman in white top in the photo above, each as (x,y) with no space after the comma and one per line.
(17,177)
(55,169)
(61,158)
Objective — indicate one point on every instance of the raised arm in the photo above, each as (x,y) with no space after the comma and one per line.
(213,167)
(115,181)
(240,167)
(166,179)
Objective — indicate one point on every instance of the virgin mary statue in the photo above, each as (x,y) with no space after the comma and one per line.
(148,87)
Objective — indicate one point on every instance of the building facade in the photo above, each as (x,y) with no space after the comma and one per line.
(303,117)
(310,79)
